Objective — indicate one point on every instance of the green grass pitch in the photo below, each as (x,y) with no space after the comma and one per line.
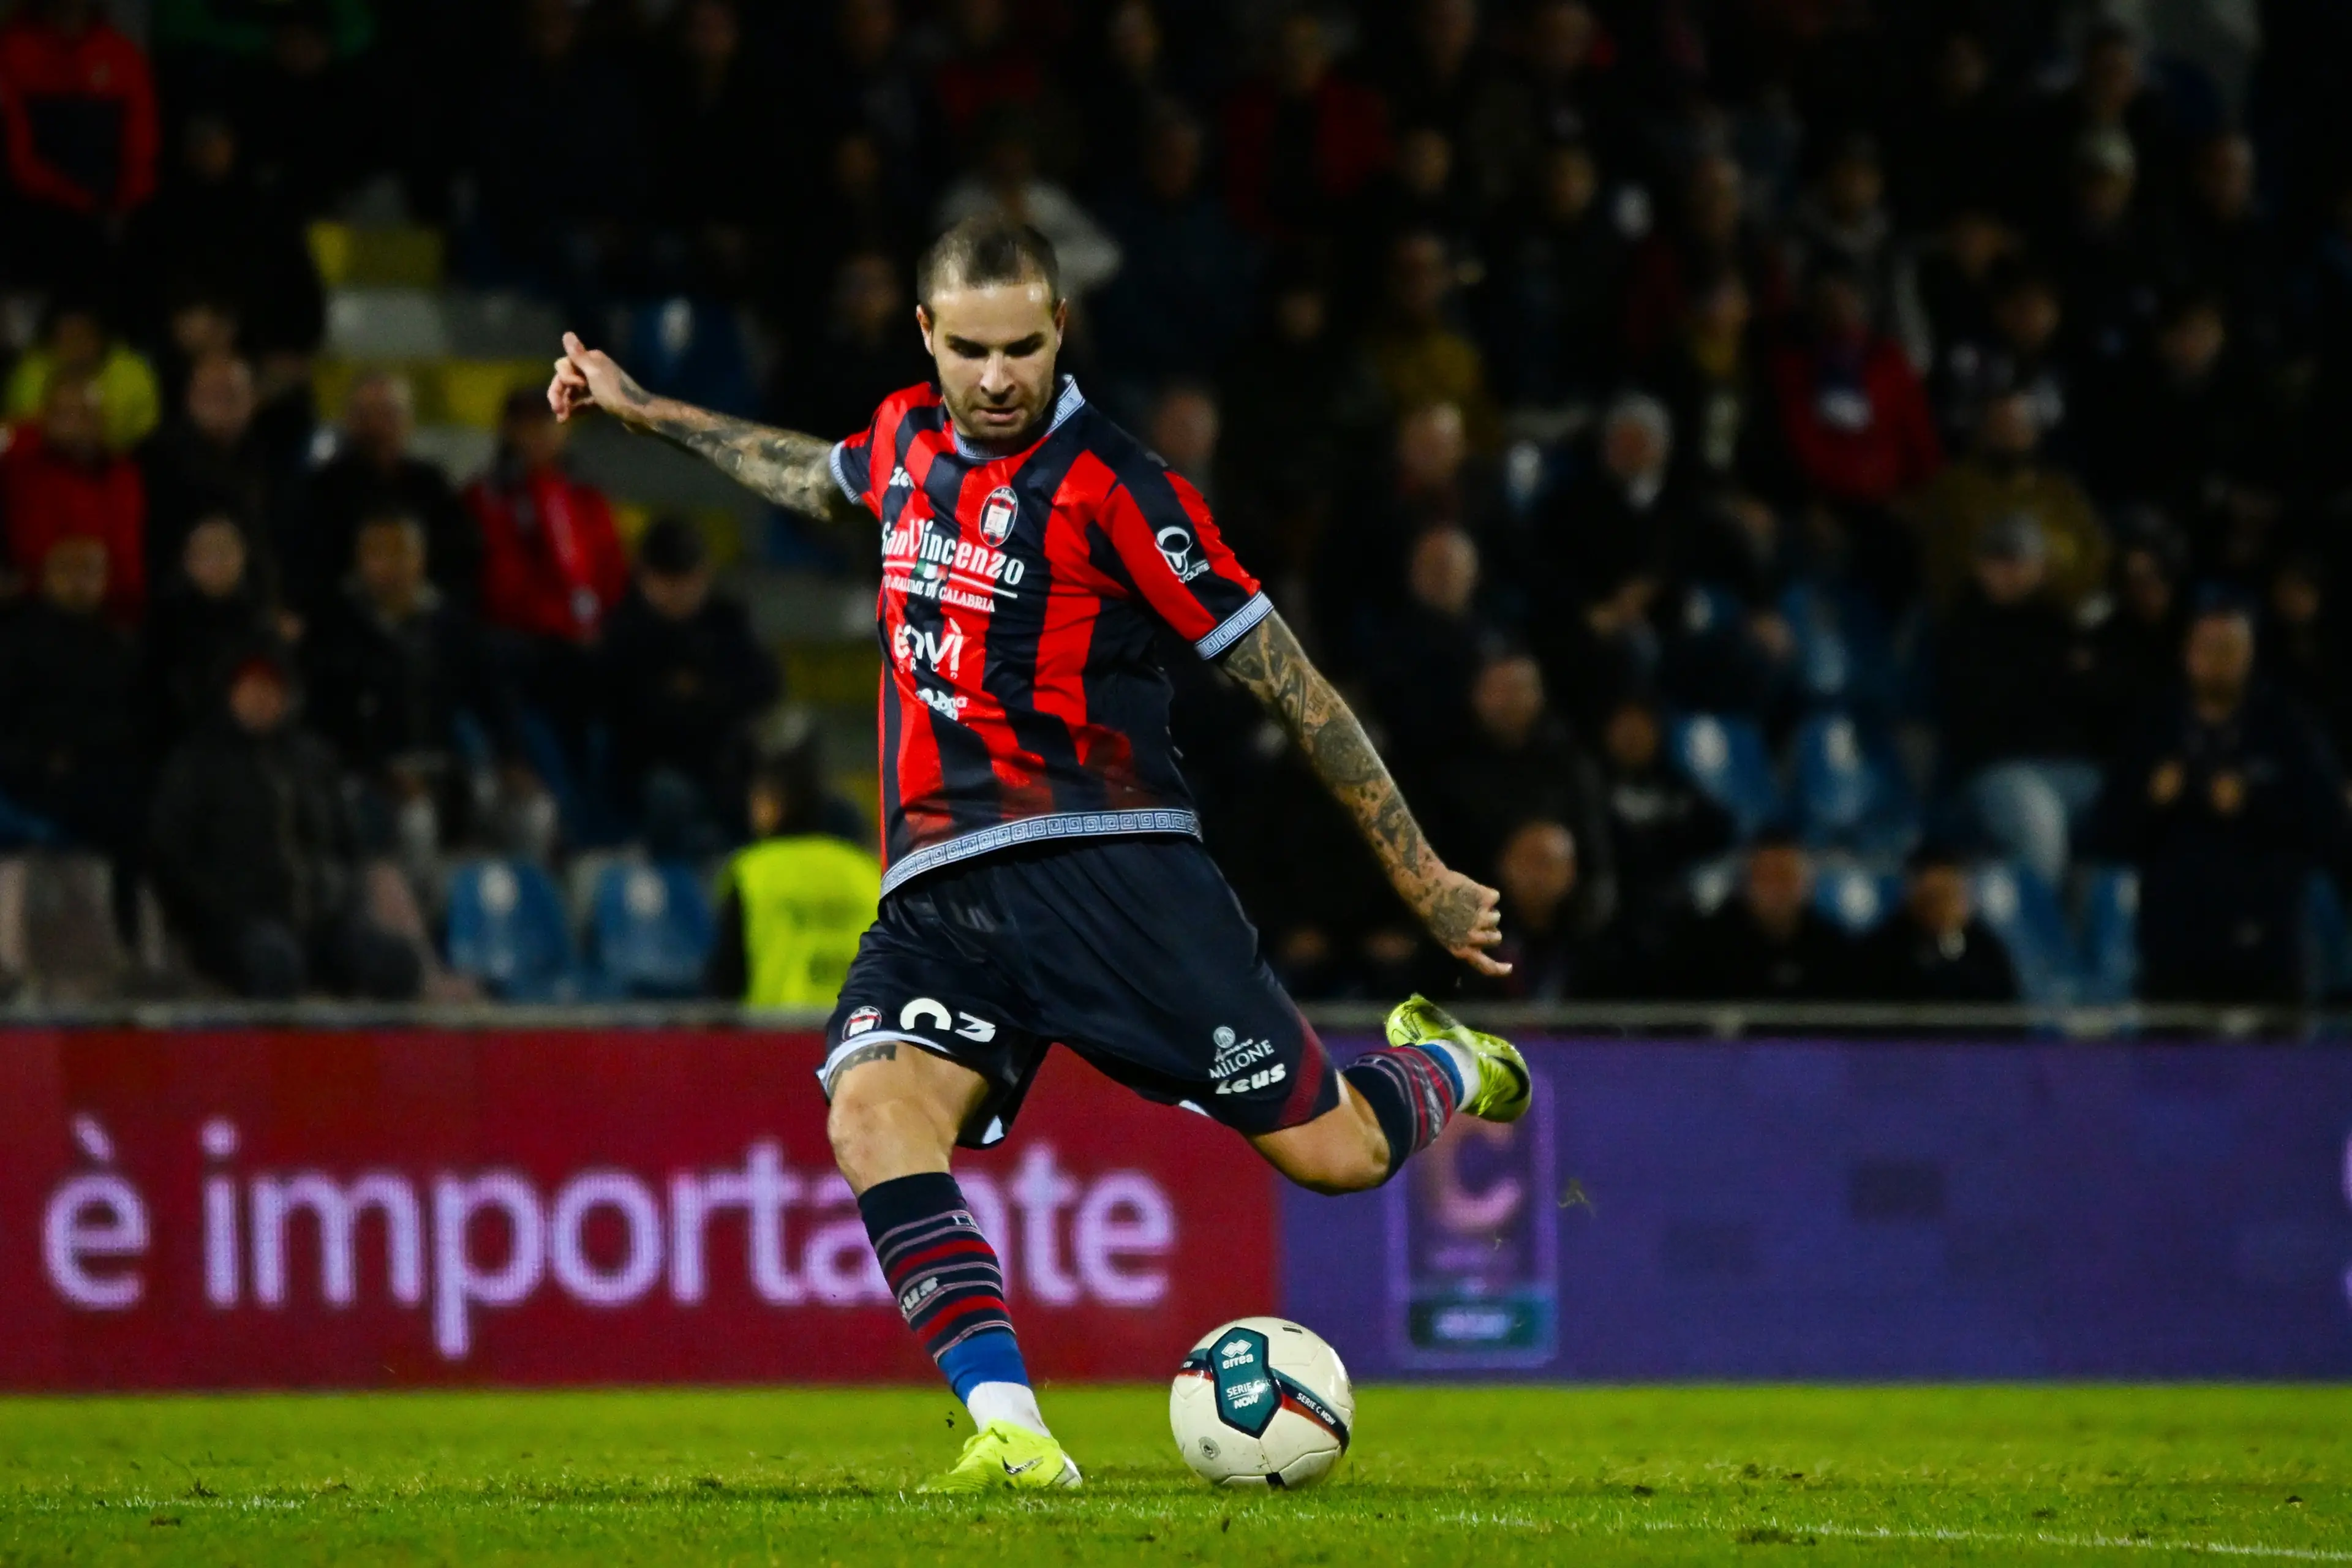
(2012,1475)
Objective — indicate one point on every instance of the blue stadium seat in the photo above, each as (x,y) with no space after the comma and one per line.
(650,928)
(1724,756)
(582,787)
(21,829)
(693,349)
(1824,655)
(1710,884)
(1844,656)
(508,931)
(1848,787)
(2327,940)
(2110,935)
(1708,609)
(2024,912)
(1854,898)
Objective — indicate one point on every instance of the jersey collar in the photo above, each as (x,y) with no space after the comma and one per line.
(1067,403)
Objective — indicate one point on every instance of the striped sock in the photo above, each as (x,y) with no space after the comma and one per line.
(949,1286)
(1412,1094)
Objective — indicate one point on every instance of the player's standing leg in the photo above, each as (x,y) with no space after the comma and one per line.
(896,1112)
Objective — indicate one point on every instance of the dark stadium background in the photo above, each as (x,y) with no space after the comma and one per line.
(1734,449)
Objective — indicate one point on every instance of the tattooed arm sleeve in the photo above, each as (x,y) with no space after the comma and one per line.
(1458,912)
(791,469)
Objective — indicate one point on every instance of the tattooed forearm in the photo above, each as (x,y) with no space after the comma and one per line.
(791,469)
(1271,665)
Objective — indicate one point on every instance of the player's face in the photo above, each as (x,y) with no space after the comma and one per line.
(995,346)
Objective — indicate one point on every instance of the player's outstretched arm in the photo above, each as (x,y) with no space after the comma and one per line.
(1462,915)
(788,467)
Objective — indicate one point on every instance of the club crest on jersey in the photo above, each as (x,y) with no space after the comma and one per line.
(857,1022)
(996,514)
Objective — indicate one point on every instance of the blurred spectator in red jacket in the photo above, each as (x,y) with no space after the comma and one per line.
(78,107)
(1857,418)
(991,64)
(552,565)
(58,481)
(1300,139)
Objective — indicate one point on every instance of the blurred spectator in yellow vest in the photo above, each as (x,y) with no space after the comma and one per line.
(79,343)
(795,903)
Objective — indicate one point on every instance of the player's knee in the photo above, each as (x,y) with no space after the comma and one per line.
(880,1131)
(859,1130)
(1351,1158)
(1363,1166)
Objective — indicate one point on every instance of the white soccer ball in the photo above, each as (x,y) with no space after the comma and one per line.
(1261,1402)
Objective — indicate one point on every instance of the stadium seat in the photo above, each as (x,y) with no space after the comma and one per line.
(360,256)
(499,324)
(1848,788)
(582,787)
(2110,945)
(506,931)
(2327,940)
(1710,884)
(1724,756)
(2024,912)
(57,929)
(386,324)
(651,929)
(1708,609)
(1825,656)
(1844,656)
(693,349)
(1854,898)
(22,829)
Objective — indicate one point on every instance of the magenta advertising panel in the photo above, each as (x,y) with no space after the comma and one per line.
(354,1209)
(1861,1211)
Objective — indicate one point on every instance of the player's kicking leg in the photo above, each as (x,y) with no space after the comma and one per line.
(1399,1099)
(897,1111)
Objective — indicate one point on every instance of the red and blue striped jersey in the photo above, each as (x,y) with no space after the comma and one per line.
(1020,595)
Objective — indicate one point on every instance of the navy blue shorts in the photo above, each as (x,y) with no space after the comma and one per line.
(1131,952)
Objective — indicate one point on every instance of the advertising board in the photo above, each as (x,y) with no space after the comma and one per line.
(1861,1211)
(378,1208)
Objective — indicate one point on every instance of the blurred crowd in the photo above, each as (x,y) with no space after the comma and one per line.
(1720,443)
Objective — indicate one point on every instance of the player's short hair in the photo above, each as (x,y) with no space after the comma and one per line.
(988,249)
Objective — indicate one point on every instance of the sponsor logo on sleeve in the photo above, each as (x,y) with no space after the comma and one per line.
(1176,548)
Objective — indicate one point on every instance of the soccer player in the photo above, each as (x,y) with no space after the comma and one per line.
(1045,878)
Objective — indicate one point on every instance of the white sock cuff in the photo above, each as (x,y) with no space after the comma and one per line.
(1014,1402)
(1465,1060)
